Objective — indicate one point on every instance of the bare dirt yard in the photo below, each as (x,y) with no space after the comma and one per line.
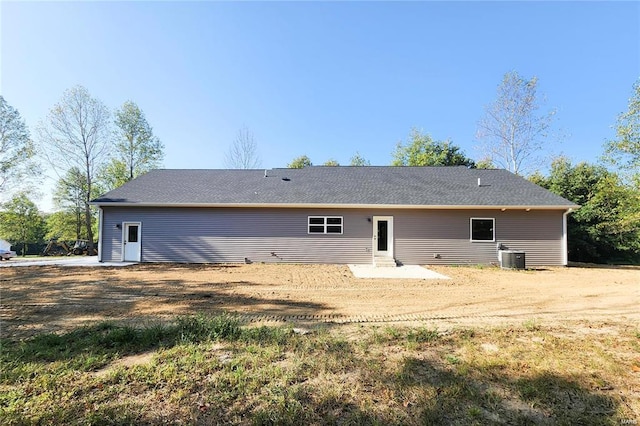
(46,298)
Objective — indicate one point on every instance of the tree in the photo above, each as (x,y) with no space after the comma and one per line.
(243,152)
(136,149)
(422,150)
(69,197)
(513,131)
(300,162)
(358,160)
(62,225)
(16,148)
(21,222)
(331,162)
(76,135)
(113,174)
(485,163)
(625,149)
(603,229)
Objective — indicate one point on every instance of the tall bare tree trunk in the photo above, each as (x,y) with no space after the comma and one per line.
(514,132)
(77,136)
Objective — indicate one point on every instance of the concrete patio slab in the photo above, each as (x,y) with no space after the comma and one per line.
(404,271)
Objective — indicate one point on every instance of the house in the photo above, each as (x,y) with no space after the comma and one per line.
(357,215)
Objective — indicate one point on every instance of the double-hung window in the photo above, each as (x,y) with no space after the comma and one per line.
(324,225)
(483,229)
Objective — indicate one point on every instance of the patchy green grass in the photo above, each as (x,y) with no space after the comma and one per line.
(214,370)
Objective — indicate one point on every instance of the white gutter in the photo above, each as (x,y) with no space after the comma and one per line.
(100,216)
(565,239)
(337,206)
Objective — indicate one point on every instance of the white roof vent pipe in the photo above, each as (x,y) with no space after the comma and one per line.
(265,172)
(479,182)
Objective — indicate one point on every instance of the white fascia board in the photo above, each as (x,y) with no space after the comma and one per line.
(336,206)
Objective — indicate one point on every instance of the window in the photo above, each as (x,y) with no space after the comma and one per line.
(325,225)
(483,229)
(133,233)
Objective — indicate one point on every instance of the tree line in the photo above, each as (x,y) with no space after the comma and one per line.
(90,149)
(93,150)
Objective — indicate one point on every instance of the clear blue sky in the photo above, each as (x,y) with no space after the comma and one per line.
(322,79)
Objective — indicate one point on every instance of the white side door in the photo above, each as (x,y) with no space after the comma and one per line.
(383,236)
(132,231)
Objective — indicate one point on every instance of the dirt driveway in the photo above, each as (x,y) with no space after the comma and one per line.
(48,298)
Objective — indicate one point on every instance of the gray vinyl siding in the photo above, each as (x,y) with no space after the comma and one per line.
(212,235)
(203,235)
(443,237)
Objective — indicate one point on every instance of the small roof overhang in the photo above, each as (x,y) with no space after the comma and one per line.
(337,206)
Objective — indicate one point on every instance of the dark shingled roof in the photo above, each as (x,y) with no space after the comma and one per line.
(344,186)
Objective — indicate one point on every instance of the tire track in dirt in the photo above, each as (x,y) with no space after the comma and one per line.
(52,299)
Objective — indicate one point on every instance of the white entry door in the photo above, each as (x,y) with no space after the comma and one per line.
(131,241)
(383,236)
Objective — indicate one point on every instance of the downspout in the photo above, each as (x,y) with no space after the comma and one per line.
(565,244)
(100,226)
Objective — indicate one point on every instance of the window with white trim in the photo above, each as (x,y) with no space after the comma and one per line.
(483,229)
(324,225)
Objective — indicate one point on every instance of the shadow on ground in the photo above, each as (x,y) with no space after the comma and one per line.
(491,397)
(325,380)
(47,299)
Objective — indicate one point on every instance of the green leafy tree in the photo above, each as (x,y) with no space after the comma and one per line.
(68,198)
(331,162)
(624,151)
(113,174)
(62,225)
(358,160)
(16,148)
(513,131)
(243,152)
(21,222)
(300,162)
(136,149)
(601,230)
(485,163)
(76,135)
(422,150)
